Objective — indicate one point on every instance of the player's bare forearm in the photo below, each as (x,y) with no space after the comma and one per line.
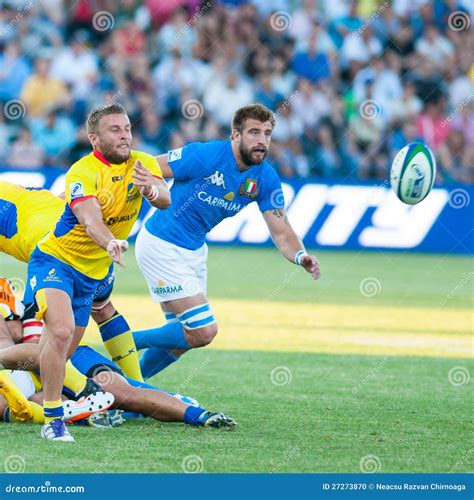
(89,214)
(288,242)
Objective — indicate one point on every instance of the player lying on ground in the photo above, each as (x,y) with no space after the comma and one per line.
(127,394)
(104,194)
(35,212)
(212,181)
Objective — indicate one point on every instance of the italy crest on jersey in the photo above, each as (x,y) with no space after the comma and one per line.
(249,189)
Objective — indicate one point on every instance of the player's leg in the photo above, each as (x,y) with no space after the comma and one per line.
(177,279)
(117,337)
(54,347)
(157,404)
(114,329)
(156,357)
(195,323)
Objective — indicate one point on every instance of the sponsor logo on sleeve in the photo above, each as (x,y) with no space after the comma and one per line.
(175,154)
(76,190)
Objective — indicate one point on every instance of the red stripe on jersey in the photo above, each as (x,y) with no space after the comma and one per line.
(83,198)
(101,157)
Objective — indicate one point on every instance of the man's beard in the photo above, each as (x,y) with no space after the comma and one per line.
(113,156)
(246,156)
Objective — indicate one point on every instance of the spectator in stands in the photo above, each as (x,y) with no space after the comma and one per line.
(311,64)
(223,97)
(432,124)
(41,92)
(456,158)
(177,33)
(14,71)
(76,66)
(56,135)
(265,94)
(25,153)
(434,46)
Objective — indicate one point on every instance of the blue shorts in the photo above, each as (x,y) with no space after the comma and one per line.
(104,290)
(45,271)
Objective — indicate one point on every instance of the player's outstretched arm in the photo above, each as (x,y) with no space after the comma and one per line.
(153,189)
(288,243)
(89,214)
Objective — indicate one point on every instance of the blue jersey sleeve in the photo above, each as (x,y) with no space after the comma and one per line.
(187,162)
(271,195)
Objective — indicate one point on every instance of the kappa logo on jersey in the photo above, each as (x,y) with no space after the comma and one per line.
(217,178)
(76,190)
(175,154)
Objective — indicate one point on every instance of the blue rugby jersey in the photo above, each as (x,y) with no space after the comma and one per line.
(208,188)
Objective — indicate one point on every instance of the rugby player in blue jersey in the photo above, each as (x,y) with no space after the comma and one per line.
(212,181)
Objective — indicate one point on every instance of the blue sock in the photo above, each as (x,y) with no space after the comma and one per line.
(132,414)
(154,360)
(168,336)
(192,414)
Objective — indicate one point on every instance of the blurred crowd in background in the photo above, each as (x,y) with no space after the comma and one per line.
(350,82)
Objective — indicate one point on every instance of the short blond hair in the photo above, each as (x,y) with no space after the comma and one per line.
(94,117)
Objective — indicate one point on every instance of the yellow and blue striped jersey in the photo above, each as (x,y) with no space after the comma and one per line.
(120,201)
(26,215)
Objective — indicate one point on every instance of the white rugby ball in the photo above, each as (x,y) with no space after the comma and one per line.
(413,173)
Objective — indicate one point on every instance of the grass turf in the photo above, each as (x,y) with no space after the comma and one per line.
(333,412)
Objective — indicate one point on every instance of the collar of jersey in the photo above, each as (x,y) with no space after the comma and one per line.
(103,160)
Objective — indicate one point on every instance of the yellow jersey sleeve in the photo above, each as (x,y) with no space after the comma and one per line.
(81,182)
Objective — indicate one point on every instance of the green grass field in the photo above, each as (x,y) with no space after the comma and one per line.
(367,369)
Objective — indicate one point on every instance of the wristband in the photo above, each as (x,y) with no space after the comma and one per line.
(154,194)
(299,255)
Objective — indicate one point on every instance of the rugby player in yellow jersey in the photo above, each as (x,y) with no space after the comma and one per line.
(26,215)
(103,197)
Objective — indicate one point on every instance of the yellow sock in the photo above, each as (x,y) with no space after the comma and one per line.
(37,415)
(118,340)
(16,400)
(52,410)
(74,379)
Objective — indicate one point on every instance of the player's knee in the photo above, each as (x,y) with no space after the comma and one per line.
(60,336)
(202,336)
(100,313)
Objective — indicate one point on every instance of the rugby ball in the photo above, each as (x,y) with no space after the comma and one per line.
(413,173)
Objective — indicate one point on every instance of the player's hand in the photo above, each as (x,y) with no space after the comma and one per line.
(115,249)
(311,265)
(143,178)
